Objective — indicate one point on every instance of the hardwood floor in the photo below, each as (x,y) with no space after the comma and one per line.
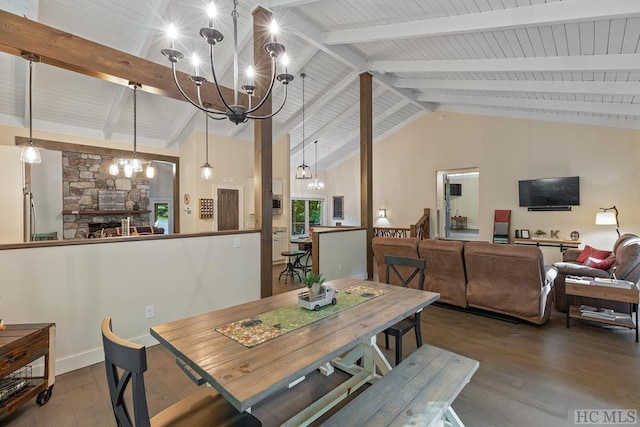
(528,376)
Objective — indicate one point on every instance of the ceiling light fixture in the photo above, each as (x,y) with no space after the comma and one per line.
(133,164)
(30,153)
(303,171)
(316,184)
(206,170)
(233,111)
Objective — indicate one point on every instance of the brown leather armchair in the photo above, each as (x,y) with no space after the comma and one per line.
(626,267)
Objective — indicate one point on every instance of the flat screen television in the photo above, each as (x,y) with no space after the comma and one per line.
(550,192)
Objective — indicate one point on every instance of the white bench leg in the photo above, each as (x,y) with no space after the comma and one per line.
(326,369)
(452,419)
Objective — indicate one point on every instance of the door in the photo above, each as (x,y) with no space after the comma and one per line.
(459,203)
(447,206)
(305,213)
(228,209)
(161,215)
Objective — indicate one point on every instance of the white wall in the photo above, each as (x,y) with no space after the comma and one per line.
(232,161)
(281,172)
(75,286)
(342,253)
(505,151)
(11,219)
(46,186)
(344,180)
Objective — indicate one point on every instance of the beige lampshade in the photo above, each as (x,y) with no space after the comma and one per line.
(606,218)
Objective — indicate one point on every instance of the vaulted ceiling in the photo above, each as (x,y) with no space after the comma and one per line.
(573,61)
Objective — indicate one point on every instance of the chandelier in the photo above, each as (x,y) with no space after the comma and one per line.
(234,111)
(133,164)
(316,184)
(31,153)
(303,171)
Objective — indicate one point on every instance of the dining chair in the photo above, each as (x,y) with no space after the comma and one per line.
(126,363)
(414,266)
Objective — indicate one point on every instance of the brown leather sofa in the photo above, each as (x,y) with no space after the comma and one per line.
(506,279)
(626,267)
(445,272)
(396,247)
(509,279)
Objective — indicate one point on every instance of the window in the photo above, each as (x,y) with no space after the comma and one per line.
(338,202)
(305,213)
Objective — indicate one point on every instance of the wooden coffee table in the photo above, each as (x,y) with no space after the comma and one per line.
(583,288)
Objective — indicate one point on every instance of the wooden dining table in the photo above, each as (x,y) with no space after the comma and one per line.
(247,375)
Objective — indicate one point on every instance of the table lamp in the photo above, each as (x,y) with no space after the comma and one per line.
(608,216)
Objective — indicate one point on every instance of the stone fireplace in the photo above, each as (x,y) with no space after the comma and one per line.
(86,182)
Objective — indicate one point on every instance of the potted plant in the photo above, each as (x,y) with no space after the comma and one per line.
(539,233)
(313,282)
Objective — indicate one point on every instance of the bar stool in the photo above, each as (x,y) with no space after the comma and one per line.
(293,264)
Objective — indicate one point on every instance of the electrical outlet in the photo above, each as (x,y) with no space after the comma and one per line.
(149,311)
(339,267)
(236,242)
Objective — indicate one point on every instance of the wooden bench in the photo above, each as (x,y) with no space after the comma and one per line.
(417,392)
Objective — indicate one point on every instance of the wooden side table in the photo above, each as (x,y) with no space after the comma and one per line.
(584,288)
(19,346)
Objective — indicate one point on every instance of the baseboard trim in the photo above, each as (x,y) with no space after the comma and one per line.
(88,358)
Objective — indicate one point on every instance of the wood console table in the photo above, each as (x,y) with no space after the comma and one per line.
(458,222)
(554,243)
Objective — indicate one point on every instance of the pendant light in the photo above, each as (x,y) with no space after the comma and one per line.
(303,171)
(30,153)
(316,184)
(150,171)
(134,164)
(206,170)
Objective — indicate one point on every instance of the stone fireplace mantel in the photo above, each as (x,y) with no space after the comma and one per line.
(106,212)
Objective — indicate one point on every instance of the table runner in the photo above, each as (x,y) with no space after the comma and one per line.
(263,327)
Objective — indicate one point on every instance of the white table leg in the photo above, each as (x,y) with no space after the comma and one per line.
(373,361)
(372,357)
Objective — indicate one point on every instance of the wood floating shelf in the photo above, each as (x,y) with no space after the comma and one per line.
(108,212)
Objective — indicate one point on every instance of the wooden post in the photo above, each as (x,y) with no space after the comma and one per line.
(366,164)
(263,152)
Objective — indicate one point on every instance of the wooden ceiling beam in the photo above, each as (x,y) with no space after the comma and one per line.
(64,50)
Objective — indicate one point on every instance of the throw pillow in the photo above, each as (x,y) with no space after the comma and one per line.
(602,264)
(589,252)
